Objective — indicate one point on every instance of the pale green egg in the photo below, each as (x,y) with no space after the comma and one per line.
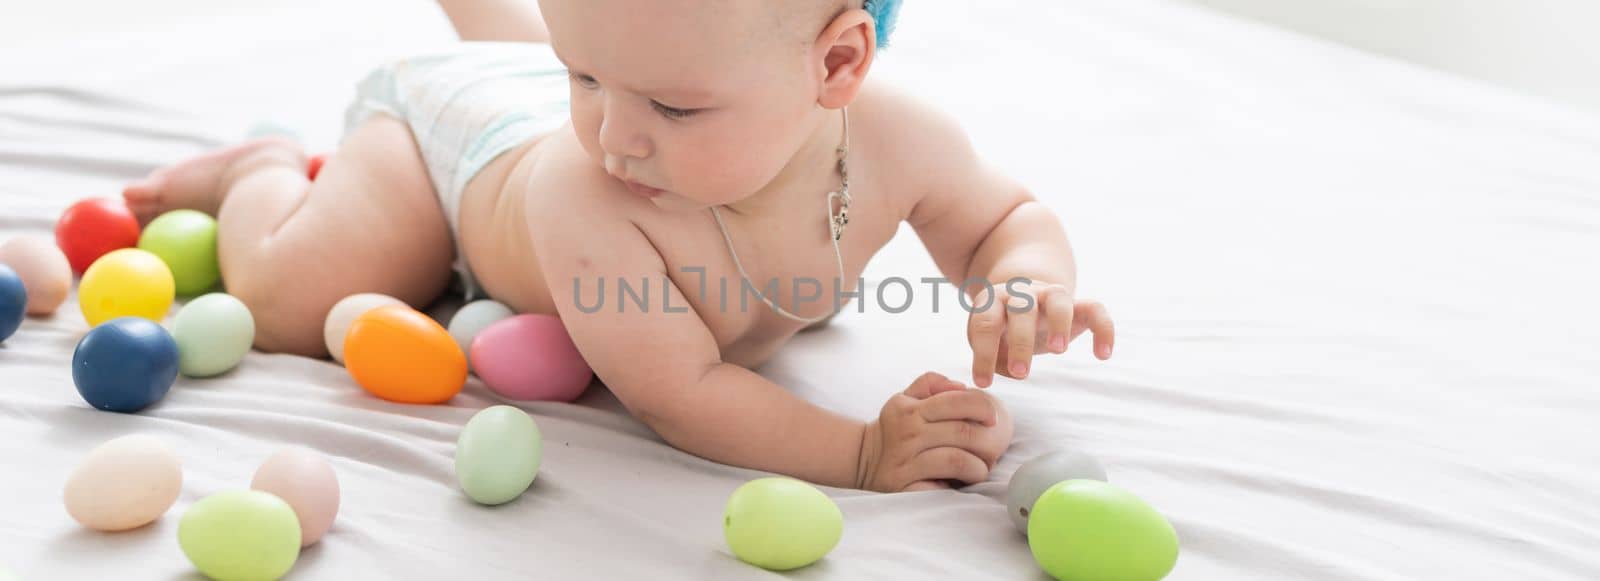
(498,454)
(781,523)
(240,535)
(214,332)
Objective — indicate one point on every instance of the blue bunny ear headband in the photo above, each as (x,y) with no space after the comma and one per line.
(883,14)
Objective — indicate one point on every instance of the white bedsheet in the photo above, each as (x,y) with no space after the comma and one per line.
(1355,302)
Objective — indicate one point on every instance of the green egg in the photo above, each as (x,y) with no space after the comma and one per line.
(498,454)
(1087,530)
(187,241)
(6,575)
(214,332)
(240,535)
(781,523)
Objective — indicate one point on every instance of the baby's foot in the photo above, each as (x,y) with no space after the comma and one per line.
(193,184)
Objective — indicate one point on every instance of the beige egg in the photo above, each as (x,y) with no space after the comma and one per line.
(125,483)
(345,312)
(305,480)
(43,269)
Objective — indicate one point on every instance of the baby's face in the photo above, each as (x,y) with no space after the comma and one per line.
(704,100)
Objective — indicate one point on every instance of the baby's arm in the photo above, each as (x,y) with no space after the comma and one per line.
(667,370)
(978,223)
(664,366)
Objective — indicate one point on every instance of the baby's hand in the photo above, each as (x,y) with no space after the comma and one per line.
(1005,340)
(935,431)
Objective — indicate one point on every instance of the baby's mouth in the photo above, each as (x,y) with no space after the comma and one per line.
(642,189)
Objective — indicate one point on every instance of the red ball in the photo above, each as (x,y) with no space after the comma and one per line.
(314,165)
(91,228)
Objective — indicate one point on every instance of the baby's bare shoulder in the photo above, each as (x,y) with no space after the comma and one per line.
(574,208)
(915,146)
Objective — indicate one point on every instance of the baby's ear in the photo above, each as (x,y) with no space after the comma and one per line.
(846,49)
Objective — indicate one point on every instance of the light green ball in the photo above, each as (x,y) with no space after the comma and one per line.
(240,535)
(1087,530)
(214,332)
(781,523)
(498,454)
(6,574)
(187,241)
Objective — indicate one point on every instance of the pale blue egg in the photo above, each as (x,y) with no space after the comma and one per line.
(473,319)
(214,332)
(498,454)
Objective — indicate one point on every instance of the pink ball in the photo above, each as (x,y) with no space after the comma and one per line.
(530,357)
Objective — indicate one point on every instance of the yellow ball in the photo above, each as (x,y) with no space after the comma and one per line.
(126,283)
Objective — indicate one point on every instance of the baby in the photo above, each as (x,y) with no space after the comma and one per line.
(660,144)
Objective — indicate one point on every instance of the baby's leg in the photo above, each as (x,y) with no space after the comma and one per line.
(290,248)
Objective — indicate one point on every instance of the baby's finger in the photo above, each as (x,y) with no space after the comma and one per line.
(1057,305)
(972,437)
(1019,335)
(966,405)
(927,384)
(1092,316)
(949,463)
(983,334)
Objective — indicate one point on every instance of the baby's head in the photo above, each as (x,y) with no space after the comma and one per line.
(708,100)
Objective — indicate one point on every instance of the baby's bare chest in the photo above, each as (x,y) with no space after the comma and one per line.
(731,275)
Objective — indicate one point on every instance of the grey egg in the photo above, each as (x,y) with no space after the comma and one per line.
(1039,474)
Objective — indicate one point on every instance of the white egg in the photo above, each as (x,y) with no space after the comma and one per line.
(125,483)
(345,312)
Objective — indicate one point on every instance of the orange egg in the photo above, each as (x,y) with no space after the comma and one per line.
(403,356)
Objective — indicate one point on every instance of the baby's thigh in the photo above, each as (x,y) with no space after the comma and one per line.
(371,223)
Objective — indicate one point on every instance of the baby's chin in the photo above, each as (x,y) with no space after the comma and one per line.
(674,202)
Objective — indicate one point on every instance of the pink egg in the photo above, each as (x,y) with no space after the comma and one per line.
(306,481)
(43,269)
(530,357)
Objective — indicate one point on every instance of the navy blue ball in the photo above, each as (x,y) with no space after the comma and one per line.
(13,301)
(125,364)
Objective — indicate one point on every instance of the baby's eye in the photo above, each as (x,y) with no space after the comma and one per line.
(583,80)
(672,112)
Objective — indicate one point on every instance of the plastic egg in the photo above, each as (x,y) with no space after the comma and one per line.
(498,454)
(13,301)
(530,357)
(403,356)
(314,165)
(125,365)
(187,241)
(123,484)
(92,228)
(781,523)
(126,283)
(1039,474)
(306,481)
(1087,530)
(344,312)
(240,535)
(43,269)
(474,318)
(213,332)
